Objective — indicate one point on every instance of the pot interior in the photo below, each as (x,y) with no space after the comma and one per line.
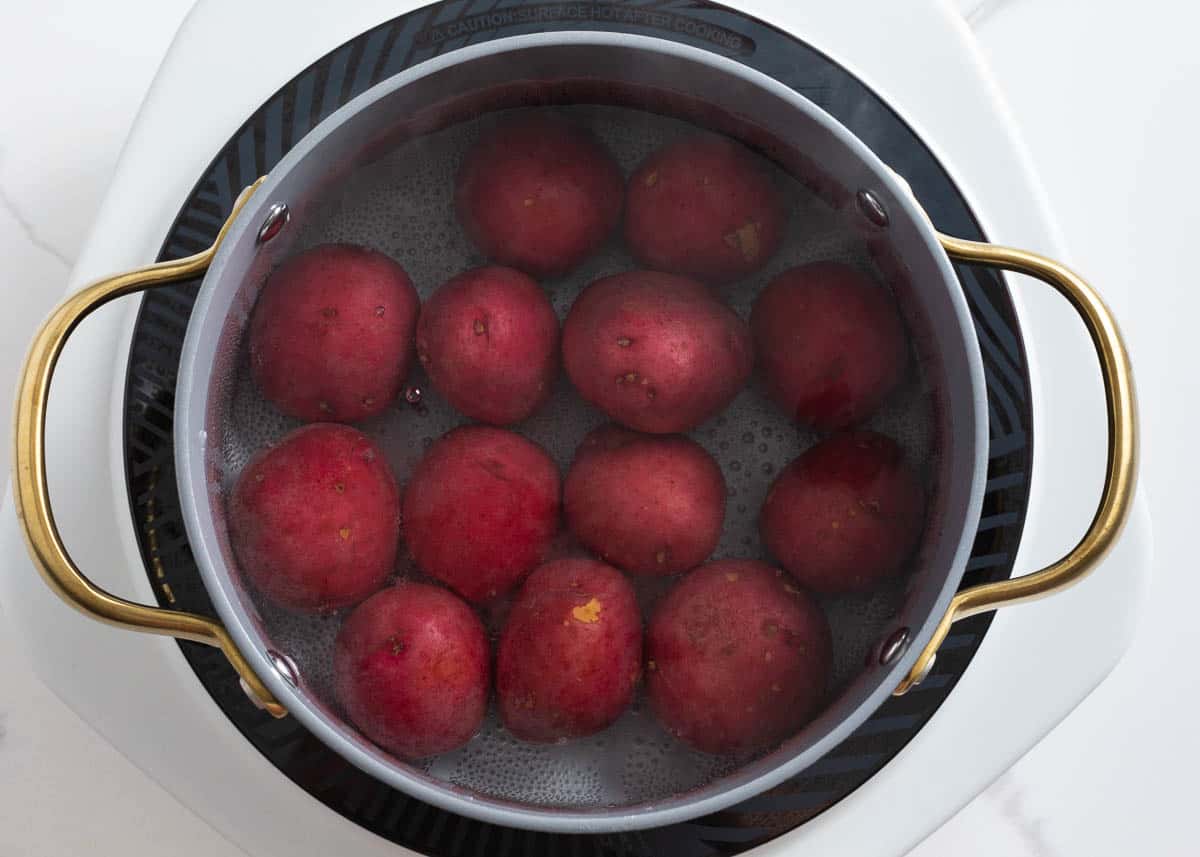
(380,172)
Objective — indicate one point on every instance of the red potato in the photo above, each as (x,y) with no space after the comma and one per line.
(481,510)
(538,193)
(656,352)
(489,340)
(829,342)
(410,666)
(846,514)
(647,504)
(331,337)
(703,207)
(738,658)
(571,652)
(314,520)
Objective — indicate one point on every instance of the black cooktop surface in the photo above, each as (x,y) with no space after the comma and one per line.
(384,51)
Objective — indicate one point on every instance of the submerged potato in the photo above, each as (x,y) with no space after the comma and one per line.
(648,504)
(331,336)
(570,653)
(656,352)
(846,514)
(830,344)
(703,207)
(314,520)
(481,510)
(488,338)
(738,657)
(538,193)
(411,669)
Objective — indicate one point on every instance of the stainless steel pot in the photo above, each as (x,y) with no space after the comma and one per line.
(425,97)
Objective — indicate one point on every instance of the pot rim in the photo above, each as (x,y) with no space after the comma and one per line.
(191,413)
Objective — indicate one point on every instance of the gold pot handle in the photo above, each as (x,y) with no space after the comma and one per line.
(31,493)
(1121,468)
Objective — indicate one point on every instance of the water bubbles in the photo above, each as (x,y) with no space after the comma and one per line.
(403,204)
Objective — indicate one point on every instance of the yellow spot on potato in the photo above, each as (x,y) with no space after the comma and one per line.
(660,557)
(775,688)
(652,666)
(745,239)
(768,657)
(528,201)
(624,341)
(588,613)
(324,407)
(258,477)
(479,327)
(836,525)
(339,487)
(651,178)
(731,576)
(344,533)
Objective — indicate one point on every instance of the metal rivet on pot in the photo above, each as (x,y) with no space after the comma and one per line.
(285,666)
(894,646)
(872,208)
(412,395)
(277,217)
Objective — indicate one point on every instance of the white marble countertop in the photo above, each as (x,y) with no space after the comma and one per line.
(1106,100)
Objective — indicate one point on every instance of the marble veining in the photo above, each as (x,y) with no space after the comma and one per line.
(1013,803)
(26,225)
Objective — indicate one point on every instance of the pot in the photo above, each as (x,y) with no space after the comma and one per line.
(629,72)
